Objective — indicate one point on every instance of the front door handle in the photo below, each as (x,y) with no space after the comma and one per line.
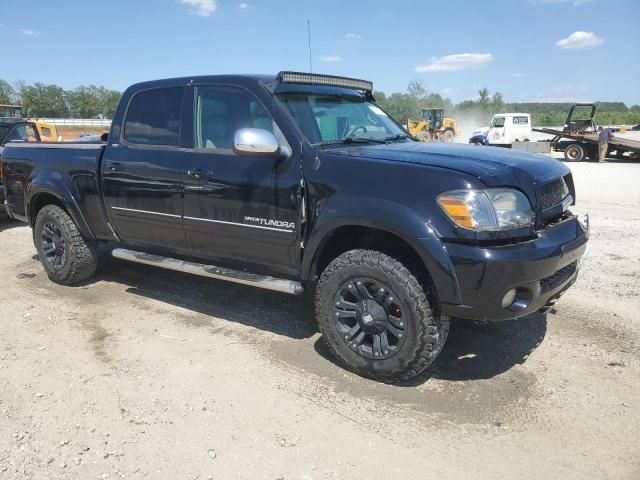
(195,173)
(115,166)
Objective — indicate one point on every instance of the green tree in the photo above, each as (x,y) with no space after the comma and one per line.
(497,103)
(40,100)
(483,99)
(7,93)
(417,91)
(91,101)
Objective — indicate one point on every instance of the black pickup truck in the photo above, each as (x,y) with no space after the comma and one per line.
(300,182)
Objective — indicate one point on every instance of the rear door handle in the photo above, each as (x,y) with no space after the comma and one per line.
(115,166)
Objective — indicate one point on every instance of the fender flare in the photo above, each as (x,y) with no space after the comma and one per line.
(59,186)
(392,218)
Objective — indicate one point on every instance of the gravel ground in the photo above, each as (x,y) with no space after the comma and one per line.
(147,373)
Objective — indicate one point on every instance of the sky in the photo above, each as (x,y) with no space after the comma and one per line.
(529,50)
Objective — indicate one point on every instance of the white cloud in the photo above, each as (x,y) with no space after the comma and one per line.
(244,7)
(330,59)
(459,61)
(517,75)
(446,92)
(580,40)
(202,8)
(353,36)
(30,33)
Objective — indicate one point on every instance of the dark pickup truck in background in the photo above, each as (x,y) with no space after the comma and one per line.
(301,182)
(14,129)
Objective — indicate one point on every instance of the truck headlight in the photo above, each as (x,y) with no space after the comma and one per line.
(491,209)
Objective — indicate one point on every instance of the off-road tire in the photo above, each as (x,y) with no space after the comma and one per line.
(424,136)
(81,259)
(426,328)
(448,136)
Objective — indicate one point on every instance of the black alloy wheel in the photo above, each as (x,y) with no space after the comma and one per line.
(370,318)
(53,245)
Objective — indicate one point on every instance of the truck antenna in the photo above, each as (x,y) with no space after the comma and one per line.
(309,42)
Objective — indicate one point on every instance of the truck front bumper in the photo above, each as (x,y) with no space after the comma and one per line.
(511,281)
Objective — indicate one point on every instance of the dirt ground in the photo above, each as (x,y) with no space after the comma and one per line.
(147,373)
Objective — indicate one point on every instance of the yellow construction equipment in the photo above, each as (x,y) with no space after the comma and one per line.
(48,132)
(433,126)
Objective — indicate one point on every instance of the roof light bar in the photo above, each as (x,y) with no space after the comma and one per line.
(327,80)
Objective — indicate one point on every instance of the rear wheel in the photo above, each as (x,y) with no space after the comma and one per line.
(424,136)
(65,255)
(574,153)
(448,136)
(376,317)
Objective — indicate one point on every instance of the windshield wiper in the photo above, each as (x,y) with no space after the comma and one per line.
(400,136)
(348,140)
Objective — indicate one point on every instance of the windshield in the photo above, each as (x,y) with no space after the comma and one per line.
(498,122)
(327,118)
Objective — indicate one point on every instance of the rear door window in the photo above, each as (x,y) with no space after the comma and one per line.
(153,117)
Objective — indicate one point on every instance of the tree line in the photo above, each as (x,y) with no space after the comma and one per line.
(53,101)
(408,104)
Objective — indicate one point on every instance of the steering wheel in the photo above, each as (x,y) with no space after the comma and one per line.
(351,132)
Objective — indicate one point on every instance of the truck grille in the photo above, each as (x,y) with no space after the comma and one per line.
(557,278)
(554,192)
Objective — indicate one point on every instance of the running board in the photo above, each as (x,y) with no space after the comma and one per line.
(211,271)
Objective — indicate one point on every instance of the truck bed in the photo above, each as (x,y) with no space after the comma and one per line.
(76,166)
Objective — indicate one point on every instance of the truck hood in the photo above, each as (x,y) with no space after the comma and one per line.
(491,165)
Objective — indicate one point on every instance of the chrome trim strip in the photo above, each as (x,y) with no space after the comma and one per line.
(146,211)
(211,271)
(240,224)
(260,227)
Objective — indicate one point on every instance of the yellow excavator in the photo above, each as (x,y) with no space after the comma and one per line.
(433,126)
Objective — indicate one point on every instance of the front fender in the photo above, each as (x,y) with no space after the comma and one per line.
(48,182)
(392,218)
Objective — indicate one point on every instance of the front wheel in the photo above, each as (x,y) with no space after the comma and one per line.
(448,136)
(65,255)
(377,318)
(424,136)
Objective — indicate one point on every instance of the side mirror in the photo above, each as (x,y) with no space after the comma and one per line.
(255,141)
